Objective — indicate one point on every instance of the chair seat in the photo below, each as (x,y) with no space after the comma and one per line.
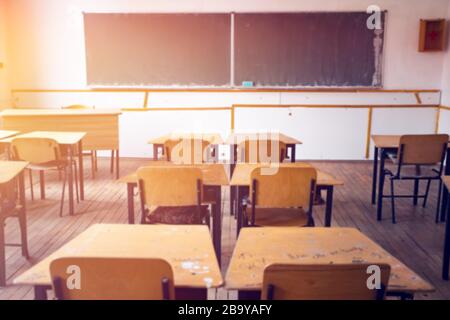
(177,215)
(280,217)
(410,171)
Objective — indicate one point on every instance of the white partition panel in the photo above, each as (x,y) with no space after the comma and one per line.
(398,121)
(101,100)
(137,128)
(326,133)
(444,121)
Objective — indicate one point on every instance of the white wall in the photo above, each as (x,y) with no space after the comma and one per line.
(47,39)
(4,80)
(46,43)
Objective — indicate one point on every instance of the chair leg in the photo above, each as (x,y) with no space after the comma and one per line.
(439,202)
(208,217)
(443,212)
(76,181)
(42,183)
(394,220)
(416,191)
(62,193)
(112,161)
(93,164)
(96,160)
(426,194)
(23,234)
(2,255)
(31,184)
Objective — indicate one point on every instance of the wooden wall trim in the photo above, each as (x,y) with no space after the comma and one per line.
(219,90)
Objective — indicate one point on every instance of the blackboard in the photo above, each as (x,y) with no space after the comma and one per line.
(329,49)
(302,49)
(141,49)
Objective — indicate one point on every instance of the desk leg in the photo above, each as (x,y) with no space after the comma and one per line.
(71,204)
(329,206)
(381,186)
(2,254)
(117,165)
(81,169)
(23,217)
(446,196)
(217,224)
(374,176)
(232,199)
(242,191)
(130,198)
(155,152)
(40,292)
(446,259)
(293,154)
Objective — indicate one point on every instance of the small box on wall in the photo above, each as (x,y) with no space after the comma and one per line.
(433,35)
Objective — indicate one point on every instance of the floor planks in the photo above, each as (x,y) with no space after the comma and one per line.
(415,239)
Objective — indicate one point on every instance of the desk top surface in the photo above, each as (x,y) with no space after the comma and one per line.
(11,169)
(188,249)
(63,138)
(237,138)
(213,138)
(257,248)
(7,133)
(57,112)
(242,173)
(214,174)
(387,141)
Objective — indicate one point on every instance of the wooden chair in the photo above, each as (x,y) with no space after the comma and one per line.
(43,155)
(87,153)
(419,158)
(322,282)
(187,151)
(9,208)
(172,195)
(282,199)
(112,279)
(257,151)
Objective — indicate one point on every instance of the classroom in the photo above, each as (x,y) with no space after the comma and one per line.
(224,150)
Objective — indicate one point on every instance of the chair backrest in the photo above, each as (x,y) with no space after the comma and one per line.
(170,186)
(35,150)
(422,149)
(263,150)
(186,151)
(112,279)
(289,187)
(323,282)
(77,107)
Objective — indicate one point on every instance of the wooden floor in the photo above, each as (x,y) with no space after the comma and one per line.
(416,239)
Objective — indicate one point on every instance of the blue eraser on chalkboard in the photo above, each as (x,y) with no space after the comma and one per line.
(247,84)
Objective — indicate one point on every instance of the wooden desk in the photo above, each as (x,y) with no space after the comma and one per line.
(188,249)
(446,258)
(241,181)
(214,139)
(10,170)
(101,126)
(257,248)
(235,139)
(214,177)
(383,145)
(69,141)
